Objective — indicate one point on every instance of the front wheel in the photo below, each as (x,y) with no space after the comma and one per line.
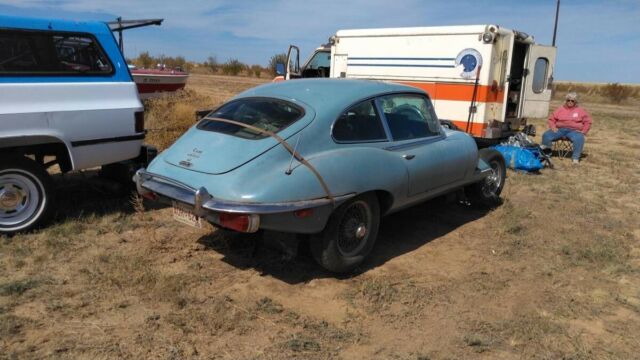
(349,235)
(26,194)
(487,192)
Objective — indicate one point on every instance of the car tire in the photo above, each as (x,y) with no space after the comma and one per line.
(349,235)
(26,195)
(486,193)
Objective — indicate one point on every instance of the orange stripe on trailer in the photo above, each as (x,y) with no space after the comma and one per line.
(459,92)
(475,129)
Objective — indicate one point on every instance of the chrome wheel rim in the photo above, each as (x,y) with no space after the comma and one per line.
(354,228)
(493,181)
(20,198)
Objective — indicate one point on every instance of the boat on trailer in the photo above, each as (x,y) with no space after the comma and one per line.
(151,83)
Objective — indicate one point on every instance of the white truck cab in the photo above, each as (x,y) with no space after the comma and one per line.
(68,99)
(485,79)
(317,65)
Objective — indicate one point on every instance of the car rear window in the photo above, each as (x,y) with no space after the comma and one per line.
(265,113)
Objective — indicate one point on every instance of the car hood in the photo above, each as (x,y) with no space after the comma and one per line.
(217,153)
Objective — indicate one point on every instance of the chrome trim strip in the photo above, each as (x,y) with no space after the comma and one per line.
(416,142)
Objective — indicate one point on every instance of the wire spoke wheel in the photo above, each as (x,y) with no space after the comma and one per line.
(486,193)
(349,235)
(493,182)
(354,228)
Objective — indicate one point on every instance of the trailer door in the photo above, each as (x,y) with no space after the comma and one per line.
(536,90)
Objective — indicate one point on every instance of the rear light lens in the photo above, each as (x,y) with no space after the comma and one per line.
(240,222)
(303,213)
(149,195)
(139,125)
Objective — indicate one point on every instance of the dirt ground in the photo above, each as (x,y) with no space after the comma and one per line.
(553,273)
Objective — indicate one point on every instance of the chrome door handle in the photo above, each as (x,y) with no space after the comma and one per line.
(408,156)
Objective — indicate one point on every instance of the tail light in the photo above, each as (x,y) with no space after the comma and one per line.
(139,124)
(149,195)
(303,213)
(240,222)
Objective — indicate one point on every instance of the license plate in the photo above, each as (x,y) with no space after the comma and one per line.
(186,217)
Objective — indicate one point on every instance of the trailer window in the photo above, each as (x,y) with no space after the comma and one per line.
(265,113)
(360,123)
(51,54)
(409,116)
(540,75)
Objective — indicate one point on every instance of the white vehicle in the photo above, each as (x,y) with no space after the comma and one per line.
(485,79)
(67,99)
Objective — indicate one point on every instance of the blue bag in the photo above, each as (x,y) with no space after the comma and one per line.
(519,158)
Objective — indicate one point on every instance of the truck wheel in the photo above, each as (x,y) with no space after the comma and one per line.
(487,192)
(26,194)
(349,235)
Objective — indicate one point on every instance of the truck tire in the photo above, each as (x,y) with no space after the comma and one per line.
(26,194)
(349,235)
(486,193)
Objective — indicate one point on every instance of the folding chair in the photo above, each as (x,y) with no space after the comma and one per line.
(563,147)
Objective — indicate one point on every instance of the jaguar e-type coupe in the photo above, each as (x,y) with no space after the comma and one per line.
(325,157)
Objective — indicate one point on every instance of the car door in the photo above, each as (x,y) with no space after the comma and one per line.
(419,142)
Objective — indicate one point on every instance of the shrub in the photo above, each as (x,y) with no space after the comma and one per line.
(175,62)
(233,67)
(212,64)
(617,93)
(275,59)
(256,70)
(145,60)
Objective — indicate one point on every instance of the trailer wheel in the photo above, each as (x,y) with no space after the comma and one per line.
(26,195)
(349,235)
(487,192)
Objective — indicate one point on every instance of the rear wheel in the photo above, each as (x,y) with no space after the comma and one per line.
(487,192)
(349,235)
(26,194)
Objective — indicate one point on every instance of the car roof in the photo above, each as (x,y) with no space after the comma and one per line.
(322,93)
(28,23)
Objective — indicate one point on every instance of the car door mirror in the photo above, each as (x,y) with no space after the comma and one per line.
(280,69)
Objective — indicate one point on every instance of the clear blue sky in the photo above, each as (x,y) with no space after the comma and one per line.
(598,41)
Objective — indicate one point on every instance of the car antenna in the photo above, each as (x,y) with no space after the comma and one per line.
(290,170)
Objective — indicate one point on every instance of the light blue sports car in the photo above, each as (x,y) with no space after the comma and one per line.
(325,157)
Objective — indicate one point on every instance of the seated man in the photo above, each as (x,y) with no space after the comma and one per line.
(570,121)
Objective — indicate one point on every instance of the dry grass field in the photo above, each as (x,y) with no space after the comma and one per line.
(553,273)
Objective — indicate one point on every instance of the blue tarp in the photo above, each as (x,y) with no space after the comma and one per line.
(519,158)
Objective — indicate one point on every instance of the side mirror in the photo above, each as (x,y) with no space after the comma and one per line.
(280,69)
(293,61)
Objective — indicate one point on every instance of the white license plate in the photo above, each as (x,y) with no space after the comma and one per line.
(186,217)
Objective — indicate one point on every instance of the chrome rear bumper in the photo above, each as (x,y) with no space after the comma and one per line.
(203,202)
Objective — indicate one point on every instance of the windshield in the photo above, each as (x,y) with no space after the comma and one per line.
(320,59)
(265,113)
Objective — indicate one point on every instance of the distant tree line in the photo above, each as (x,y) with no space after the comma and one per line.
(232,66)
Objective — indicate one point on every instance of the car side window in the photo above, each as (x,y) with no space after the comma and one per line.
(46,53)
(409,116)
(360,123)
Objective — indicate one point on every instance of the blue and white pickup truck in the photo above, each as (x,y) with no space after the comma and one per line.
(66,98)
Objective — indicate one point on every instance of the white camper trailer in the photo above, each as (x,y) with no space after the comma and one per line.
(486,79)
